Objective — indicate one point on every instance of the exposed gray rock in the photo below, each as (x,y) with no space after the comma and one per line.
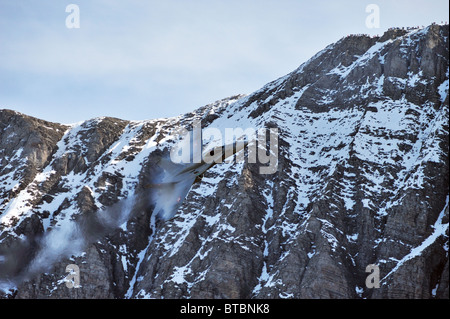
(361,178)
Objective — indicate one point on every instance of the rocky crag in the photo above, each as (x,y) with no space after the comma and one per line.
(361,179)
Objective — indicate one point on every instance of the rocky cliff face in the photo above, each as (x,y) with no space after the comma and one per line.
(361,179)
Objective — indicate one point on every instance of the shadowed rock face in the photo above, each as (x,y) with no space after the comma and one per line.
(362,178)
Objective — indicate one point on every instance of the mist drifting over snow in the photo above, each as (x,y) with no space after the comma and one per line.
(68,237)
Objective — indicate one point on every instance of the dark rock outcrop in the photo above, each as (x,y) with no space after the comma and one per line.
(361,178)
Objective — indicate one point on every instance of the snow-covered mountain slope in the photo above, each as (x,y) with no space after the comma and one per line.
(361,178)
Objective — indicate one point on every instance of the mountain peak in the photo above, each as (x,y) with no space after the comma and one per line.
(361,180)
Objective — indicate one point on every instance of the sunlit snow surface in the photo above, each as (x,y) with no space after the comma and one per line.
(316,144)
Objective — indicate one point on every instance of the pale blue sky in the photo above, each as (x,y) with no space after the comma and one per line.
(148,59)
